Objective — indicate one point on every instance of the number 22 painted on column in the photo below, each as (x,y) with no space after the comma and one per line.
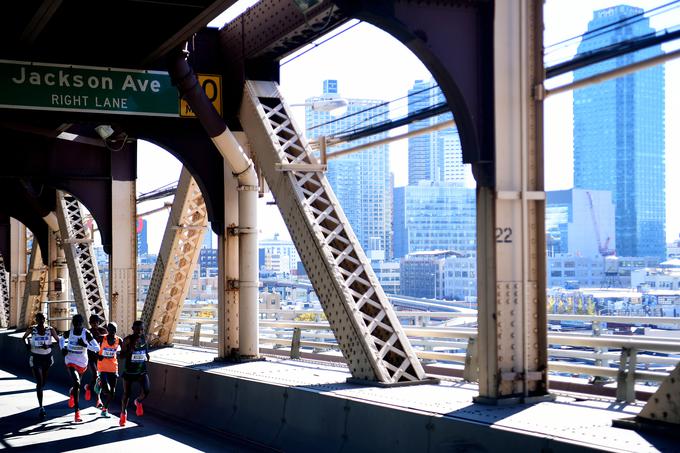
(504,234)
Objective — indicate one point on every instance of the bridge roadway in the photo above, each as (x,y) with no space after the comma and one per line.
(297,405)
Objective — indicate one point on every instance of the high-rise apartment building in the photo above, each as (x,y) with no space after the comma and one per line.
(361,181)
(434,156)
(142,234)
(619,134)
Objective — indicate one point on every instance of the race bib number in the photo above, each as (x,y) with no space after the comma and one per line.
(138,357)
(41,340)
(109,352)
(75,348)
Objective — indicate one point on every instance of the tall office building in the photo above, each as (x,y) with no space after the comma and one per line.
(619,134)
(434,156)
(361,181)
(434,216)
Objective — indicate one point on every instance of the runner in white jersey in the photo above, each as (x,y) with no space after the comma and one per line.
(39,347)
(74,345)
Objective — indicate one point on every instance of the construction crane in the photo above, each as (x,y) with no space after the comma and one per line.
(602,248)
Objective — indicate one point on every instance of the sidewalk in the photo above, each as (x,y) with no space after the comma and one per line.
(21,430)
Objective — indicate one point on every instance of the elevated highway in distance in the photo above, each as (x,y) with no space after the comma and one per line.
(415,303)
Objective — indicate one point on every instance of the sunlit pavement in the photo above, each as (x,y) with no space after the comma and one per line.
(21,430)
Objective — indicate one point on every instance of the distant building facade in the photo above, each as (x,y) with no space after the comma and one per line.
(278,256)
(580,222)
(434,216)
(422,274)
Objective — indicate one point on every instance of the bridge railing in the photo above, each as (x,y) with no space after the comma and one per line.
(640,358)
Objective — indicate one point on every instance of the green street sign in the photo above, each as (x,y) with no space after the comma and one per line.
(40,86)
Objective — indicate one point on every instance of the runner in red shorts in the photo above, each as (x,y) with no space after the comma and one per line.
(74,345)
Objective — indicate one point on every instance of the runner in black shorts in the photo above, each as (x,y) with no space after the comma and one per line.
(108,365)
(136,355)
(39,346)
(98,333)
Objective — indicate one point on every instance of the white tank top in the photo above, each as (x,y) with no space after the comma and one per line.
(38,341)
(77,354)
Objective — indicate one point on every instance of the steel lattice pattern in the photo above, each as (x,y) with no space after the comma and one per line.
(36,288)
(176,261)
(360,314)
(87,286)
(4,295)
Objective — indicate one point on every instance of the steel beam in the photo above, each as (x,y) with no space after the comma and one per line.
(363,321)
(176,261)
(17,269)
(35,289)
(510,219)
(123,257)
(4,295)
(664,405)
(59,310)
(76,241)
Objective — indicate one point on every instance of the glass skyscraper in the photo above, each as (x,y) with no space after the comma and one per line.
(619,134)
(435,156)
(434,216)
(361,181)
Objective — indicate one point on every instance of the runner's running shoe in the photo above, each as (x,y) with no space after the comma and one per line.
(88,393)
(77,417)
(123,418)
(140,408)
(42,414)
(105,413)
(71,401)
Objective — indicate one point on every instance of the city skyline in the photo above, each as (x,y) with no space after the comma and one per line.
(393,70)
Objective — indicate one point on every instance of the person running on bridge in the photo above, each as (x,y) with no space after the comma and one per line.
(98,332)
(74,345)
(108,365)
(40,360)
(136,355)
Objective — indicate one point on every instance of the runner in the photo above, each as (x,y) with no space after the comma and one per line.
(98,333)
(136,355)
(39,346)
(108,365)
(74,345)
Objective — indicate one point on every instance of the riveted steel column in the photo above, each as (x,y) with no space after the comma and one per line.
(59,310)
(123,259)
(511,258)
(35,289)
(17,271)
(228,256)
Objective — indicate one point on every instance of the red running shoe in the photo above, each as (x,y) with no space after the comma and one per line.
(123,418)
(140,408)
(88,393)
(71,401)
(77,417)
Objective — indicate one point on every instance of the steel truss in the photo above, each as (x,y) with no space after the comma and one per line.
(363,321)
(35,291)
(4,295)
(88,290)
(176,261)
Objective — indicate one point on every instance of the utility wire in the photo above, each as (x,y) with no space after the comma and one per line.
(319,44)
(590,34)
(372,107)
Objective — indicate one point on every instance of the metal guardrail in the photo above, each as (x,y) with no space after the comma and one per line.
(316,335)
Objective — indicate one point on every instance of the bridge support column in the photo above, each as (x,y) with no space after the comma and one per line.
(123,259)
(58,285)
(228,259)
(510,219)
(17,270)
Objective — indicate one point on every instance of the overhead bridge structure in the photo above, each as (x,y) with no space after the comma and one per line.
(77,92)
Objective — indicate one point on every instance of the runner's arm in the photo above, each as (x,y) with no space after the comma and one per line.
(92,344)
(55,335)
(23,339)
